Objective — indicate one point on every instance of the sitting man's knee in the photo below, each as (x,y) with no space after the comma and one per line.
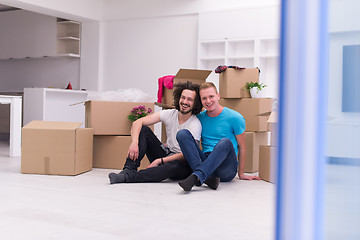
(182,134)
(225,142)
(145,129)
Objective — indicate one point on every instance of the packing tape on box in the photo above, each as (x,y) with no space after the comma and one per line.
(46,165)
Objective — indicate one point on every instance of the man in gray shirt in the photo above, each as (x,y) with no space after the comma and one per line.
(166,160)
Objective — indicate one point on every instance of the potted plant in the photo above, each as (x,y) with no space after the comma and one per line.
(255,88)
(138,112)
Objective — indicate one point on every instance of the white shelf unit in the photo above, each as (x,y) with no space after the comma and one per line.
(68,38)
(240,48)
(246,52)
(268,62)
(245,37)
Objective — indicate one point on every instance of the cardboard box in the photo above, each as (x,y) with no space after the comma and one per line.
(163,133)
(232,82)
(110,152)
(60,148)
(183,75)
(250,108)
(253,142)
(267,163)
(110,118)
(273,128)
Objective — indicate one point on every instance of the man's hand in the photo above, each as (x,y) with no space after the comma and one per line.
(248,177)
(133,152)
(155,163)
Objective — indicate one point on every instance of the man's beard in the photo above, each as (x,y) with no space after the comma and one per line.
(185,112)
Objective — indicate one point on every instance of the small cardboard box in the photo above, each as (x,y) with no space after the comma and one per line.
(183,75)
(267,158)
(253,142)
(110,152)
(251,109)
(110,118)
(60,148)
(232,82)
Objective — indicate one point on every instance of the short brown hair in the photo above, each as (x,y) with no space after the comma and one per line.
(206,85)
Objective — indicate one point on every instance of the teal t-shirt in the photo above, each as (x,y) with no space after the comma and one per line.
(227,124)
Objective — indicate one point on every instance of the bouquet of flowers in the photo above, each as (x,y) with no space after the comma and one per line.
(138,112)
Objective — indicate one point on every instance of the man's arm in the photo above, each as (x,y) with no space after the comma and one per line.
(242,144)
(151,119)
(178,156)
(157,162)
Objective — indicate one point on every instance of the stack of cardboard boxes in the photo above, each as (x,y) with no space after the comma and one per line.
(111,131)
(63,148)
(234,95)
(267,154)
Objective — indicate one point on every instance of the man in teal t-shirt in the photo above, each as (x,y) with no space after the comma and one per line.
(223,131)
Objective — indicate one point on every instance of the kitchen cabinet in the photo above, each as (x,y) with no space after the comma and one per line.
(68,38)
(26,35)
(50,104)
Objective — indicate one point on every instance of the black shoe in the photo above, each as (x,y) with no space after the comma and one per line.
(212,182)
(117,178)
(188,183)
(127,170)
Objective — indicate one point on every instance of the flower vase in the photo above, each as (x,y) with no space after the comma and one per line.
(255,92)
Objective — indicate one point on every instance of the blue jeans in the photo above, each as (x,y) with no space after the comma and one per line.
(221,162)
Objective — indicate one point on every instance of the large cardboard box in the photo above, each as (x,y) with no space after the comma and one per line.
(267,164)
(253,142)
(183,75)
(60,148)
(232,82)
(110,118)
(110,152)
(251,108)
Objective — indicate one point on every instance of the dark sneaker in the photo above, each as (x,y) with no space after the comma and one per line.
(117,178)
(212,182)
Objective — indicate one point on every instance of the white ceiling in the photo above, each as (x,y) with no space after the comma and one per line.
(108,10)
(6,8)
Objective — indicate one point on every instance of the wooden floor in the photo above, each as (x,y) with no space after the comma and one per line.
(88,207)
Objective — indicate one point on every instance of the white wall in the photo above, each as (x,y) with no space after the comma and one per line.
(90,61)
(137,52)
(50,72)
(343,128)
